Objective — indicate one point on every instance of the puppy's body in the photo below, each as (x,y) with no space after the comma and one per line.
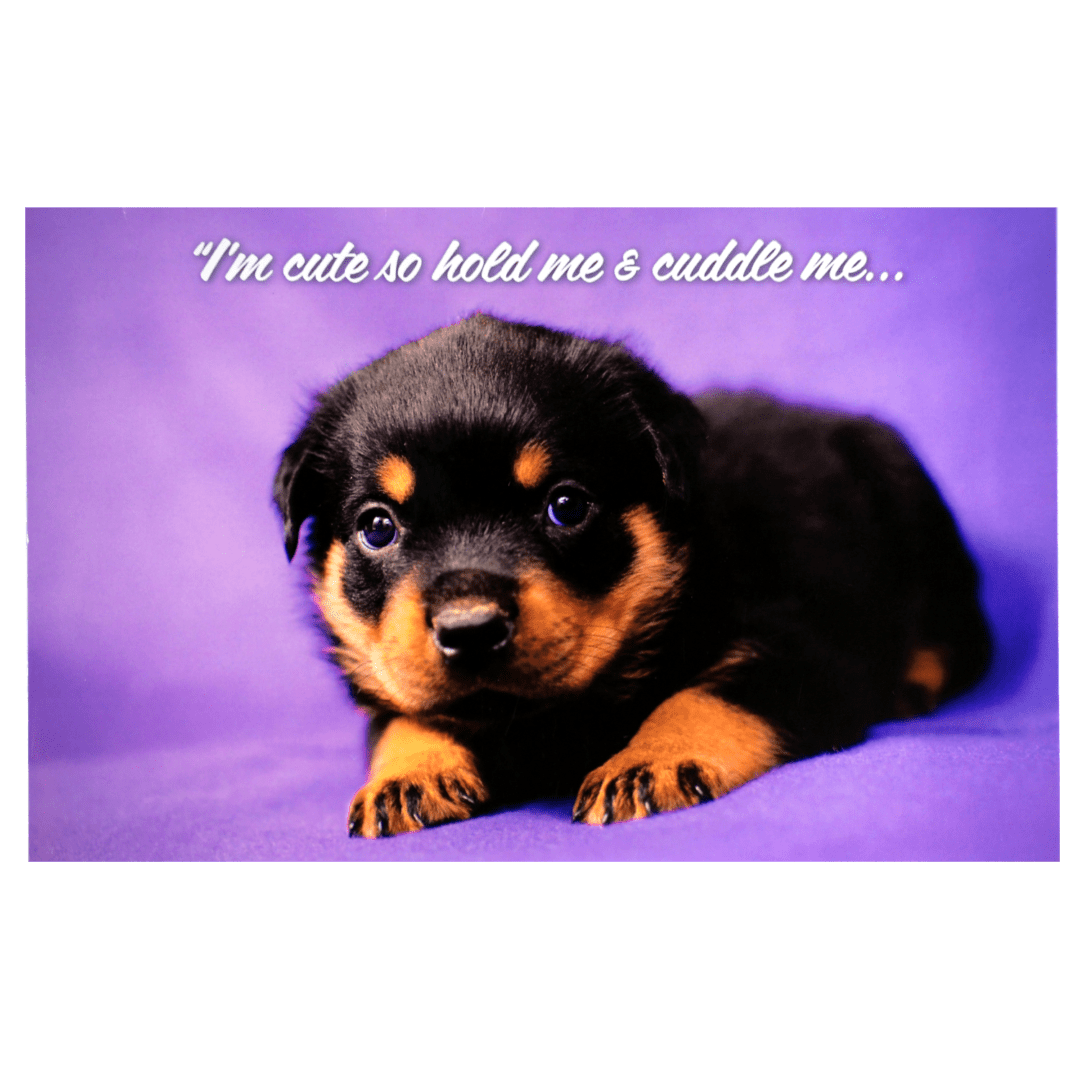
(544,572)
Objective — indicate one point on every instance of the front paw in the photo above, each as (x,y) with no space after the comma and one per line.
(627,787)
(408,803)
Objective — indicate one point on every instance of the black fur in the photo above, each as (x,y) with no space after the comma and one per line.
(820,550)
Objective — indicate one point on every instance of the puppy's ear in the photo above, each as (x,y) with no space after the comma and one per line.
(296,490)
(677,430)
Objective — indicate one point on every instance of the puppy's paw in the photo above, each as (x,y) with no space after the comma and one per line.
(628,787)
(414,801)
(691,748)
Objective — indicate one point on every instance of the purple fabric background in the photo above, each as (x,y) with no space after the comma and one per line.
(180,705)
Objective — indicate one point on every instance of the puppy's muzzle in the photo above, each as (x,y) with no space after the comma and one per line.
(471,614)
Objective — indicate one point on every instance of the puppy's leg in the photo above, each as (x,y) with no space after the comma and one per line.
(690,749)
(419,777)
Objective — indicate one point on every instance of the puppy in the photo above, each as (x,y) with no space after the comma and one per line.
(545,573)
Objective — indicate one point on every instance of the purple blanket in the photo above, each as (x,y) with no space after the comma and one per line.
(180,707)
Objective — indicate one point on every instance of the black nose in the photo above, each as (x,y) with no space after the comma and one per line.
(471,614)
(471,629)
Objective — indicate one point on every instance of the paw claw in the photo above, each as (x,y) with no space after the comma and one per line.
(644,792)
(625,789)
(413,795)
(382,819)
(414,801)
(464,794)
(609,803)
(586,798)
(692,783)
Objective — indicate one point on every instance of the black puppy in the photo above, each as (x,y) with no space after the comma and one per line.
(545,572)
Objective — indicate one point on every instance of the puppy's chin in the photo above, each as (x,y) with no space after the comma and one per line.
(561,643)
(490,706)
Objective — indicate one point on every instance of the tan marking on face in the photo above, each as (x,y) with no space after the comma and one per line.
(725,744)
(396,477)
(415,669)
(532,464)
(561,642)
(564,641)
(358,638)
(395,659)
(926,668)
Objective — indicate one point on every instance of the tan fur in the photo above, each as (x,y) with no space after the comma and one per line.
(532,464)
(396,477)
(926,668)
(567,640)
(727,745)
(412,755)
(358,639)
(394,660)
(561,643)
(739,655)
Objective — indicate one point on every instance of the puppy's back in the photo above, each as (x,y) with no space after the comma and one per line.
(830,523)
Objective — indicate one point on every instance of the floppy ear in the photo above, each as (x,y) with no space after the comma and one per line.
(677,430)
(296,488)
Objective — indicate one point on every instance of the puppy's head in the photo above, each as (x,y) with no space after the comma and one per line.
(496,509)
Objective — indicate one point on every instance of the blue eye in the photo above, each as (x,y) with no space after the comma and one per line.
(376,528)
(567,506)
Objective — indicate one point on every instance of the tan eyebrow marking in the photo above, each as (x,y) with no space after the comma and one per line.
(531,464)
(396,477)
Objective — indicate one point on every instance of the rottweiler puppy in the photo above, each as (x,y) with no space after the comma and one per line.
(544,572)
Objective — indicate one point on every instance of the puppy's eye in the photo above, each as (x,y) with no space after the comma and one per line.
(376,528)
(567,506)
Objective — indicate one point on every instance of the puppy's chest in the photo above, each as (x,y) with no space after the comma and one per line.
(546,755)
